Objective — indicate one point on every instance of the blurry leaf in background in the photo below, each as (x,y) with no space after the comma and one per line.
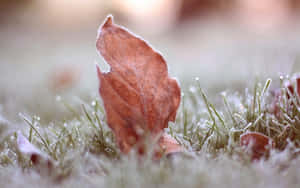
(65,77)
(151,16)
(264,14)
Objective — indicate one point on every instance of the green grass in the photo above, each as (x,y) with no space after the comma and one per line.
(84,152)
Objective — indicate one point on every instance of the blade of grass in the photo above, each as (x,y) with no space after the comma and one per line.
(37,132)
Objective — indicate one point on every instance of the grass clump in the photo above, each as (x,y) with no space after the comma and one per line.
(84,150)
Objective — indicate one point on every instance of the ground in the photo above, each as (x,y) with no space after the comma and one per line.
(225,93)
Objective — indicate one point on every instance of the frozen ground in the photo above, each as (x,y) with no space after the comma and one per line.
(223,58)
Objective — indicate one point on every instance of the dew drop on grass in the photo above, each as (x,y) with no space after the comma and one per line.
(281,78)
(192,89)
(37,118)
(223,93)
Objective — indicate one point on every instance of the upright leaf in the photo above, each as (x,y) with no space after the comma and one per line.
(138,95)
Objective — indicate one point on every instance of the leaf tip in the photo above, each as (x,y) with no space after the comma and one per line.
(108,21)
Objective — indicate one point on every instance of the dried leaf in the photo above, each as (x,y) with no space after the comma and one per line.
(65,77)
(41,161)
(138,95)
(257,144)
(291,87)
(277,94)
(168,145)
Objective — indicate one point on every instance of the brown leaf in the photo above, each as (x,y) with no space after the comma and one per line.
(168,145)
(277,94)
(138,95)
(64,77)
(291,87)
(257,144)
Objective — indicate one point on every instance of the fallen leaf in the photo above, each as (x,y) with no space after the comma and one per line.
(139,96)
(291,87)
(65,77)
(257,144)
(277,94)
(41,161)
(168,145)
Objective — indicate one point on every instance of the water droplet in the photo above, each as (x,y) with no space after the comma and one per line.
(223,93)
(193,89)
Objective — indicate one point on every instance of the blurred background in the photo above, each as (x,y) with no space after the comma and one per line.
(47,48)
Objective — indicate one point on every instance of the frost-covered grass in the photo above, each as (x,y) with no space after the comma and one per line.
(208,126)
